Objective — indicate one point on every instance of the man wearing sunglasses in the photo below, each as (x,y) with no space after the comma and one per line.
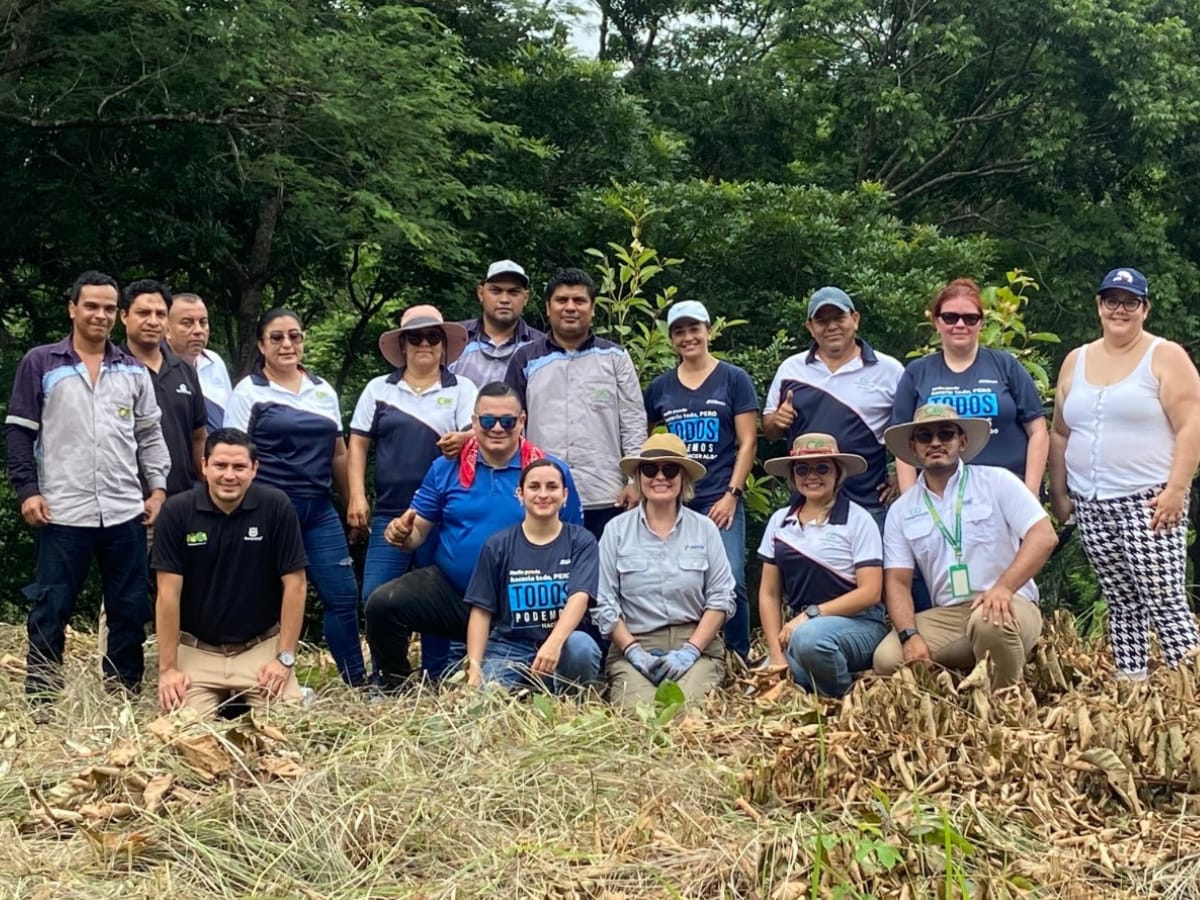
(500,330)
(977,537)
(466,500)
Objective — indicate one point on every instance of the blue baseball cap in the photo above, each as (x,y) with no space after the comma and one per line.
(1126,280)
(830,296)
(687,309)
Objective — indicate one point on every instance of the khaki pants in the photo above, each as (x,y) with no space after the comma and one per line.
(958,638)
(628,687)
(217,678)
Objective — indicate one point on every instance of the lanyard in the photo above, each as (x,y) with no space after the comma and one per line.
(954,540)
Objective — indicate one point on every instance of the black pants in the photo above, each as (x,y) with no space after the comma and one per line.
(423,601)
(594,520)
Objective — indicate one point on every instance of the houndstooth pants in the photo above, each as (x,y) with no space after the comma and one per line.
(1142,574)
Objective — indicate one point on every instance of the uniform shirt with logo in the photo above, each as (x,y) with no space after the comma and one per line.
(526,586)
(181,401)
(704,420)
(293,433)
(482,361)
(997,512)
(215,384)
(232,563)
(819,562)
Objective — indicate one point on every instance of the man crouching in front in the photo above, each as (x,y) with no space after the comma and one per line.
(230,565)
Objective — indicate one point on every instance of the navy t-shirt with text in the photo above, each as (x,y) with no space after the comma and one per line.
(525,585)
(704,420)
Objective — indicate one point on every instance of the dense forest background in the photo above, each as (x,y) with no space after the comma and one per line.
(351,158)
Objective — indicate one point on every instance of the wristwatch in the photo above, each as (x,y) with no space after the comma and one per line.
(736,491)
(287,659)
(906,633)
(812,611)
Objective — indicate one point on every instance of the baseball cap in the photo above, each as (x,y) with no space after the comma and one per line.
(830,296)
(507,267)
(687,309)
(1127,280)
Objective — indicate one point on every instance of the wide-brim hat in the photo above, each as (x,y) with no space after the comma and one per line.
(418,318)
(660,448)
(810,448)
(897,437)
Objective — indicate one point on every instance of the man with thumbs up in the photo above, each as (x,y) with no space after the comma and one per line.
(839,386)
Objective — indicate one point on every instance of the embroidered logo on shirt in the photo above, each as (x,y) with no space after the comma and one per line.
(196,539)
(444,401)
(183,389)
(565,562)
(123,412)
(252,534)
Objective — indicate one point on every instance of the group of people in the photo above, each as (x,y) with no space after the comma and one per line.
(530,519)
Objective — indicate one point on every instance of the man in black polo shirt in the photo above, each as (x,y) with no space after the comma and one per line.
(231,585)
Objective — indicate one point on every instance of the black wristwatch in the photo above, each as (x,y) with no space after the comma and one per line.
(907,633)
(736,491)
(812,611)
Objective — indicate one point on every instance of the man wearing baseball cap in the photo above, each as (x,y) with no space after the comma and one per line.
(500,330)
(977,536)
(840,386)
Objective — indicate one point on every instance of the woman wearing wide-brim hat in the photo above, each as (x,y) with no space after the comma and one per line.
(822,557)
(666,587)
(409,417)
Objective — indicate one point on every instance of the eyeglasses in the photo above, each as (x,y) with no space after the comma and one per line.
(276,337)
(1129,304)
(821,468)
(968,319)
(669,470)
(431,338)
(487,423)
(944,435)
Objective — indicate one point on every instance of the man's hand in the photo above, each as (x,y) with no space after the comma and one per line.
(35,511)
(172,689)
(627,498)
(400,529)
(1062,506)
(888,490)
(1168,508)
(548,655)
(358,512)
(996,603)
(785,414)
(273,678)
(915,650)
(474,673)
(451,443)
(722,511)
(152,505)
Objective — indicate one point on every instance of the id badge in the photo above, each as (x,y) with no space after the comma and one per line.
(960,582)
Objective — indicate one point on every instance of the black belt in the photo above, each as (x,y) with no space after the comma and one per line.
(190,640)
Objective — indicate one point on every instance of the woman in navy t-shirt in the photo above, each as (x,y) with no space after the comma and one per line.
(979,383)
(712,407)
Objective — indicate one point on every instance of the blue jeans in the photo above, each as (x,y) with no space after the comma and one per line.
(737,626)
(824,652)
(331,571)
(64,554)
(507,663)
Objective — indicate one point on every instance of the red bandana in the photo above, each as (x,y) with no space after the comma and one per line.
(468,460)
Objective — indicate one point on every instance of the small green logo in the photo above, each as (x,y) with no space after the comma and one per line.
(444,401)
(196,539)
(123,412)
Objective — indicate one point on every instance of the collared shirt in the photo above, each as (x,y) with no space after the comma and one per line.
(651,582)
(997,512)
(585,406)
(232,563)
(81,445)
(482,361)
(177,390)
(470,515)
(404,427)
(215,383)
(820,561)
(854,404)
(293,433)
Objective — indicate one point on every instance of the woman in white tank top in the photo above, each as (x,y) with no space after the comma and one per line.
(1123,452)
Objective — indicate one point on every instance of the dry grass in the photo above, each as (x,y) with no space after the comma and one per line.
(912,787)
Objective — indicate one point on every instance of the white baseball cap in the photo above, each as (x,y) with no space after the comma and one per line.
(687,309)
(506,267)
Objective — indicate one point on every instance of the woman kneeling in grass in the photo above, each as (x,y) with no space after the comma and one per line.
(530,590)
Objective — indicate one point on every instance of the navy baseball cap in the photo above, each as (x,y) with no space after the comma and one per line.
(830,296)
(1126,280)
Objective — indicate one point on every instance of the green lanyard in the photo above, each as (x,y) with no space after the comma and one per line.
(954,540)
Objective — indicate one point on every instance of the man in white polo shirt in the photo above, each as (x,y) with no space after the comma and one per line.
(977,536)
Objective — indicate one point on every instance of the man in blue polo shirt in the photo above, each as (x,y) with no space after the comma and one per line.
(840,386)
(471,498)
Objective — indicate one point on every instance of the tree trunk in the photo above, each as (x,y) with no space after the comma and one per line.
(253,279)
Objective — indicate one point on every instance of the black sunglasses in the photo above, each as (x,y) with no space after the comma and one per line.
(1129,304)
(944,435)
(417,338)
(651,470)
(968,319)
(487,423)
(821,468)
(277,337)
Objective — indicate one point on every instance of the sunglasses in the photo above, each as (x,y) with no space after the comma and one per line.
(968,319)
(821,468)
(431,338)
(487,423)
(944,435)
(1129,304)
(276,337)
(669,470)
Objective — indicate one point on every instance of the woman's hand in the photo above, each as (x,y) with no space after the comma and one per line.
(1168,508)
(785,633)
(1062,506)
(722,511)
